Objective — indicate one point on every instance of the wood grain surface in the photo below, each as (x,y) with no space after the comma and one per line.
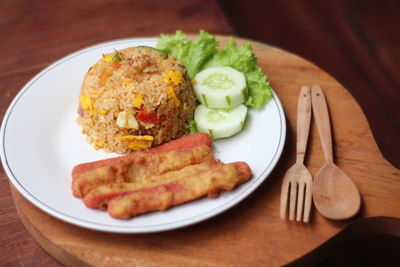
(36,33)
(356,41)
(250,234)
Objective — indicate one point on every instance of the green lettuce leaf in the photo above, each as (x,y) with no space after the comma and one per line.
(203,53)
(259,88)
(240,58)
(192,54)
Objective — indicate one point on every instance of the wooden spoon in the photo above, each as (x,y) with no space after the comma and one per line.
(335,195)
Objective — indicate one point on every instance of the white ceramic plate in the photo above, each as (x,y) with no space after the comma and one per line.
(41,143)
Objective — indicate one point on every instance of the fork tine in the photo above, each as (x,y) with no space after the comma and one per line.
(293,197)
(307,202)
(300,201)
(284,198)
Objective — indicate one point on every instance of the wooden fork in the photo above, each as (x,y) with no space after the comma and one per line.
(297,182)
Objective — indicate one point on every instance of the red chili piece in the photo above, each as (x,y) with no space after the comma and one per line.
(147,117)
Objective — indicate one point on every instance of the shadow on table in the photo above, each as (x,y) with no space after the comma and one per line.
(367,242)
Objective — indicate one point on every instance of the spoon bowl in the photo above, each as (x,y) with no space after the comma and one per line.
(335,195)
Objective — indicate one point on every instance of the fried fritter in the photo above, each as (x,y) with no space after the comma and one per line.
(183,143)
(189,187)
(99,196)
(139,168)
(171,174)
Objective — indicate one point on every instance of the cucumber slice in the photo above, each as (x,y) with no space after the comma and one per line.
(220,87)
(220,123)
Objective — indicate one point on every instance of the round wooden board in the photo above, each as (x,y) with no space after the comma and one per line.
(250,234)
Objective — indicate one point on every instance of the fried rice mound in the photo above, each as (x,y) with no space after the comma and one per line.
(134,99)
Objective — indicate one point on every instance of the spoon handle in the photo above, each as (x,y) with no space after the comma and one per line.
(303,122)
(321,115)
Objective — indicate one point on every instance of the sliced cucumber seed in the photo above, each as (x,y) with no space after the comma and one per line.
(215,116)
(218,80)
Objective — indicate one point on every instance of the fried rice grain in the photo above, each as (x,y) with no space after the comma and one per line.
(135,98)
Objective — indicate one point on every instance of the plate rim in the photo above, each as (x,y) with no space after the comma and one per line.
(254,182)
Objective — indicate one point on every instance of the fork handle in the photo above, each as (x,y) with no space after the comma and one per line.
(321,115)
(303,122)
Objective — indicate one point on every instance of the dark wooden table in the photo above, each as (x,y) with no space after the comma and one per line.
(36,33)
(356,41)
